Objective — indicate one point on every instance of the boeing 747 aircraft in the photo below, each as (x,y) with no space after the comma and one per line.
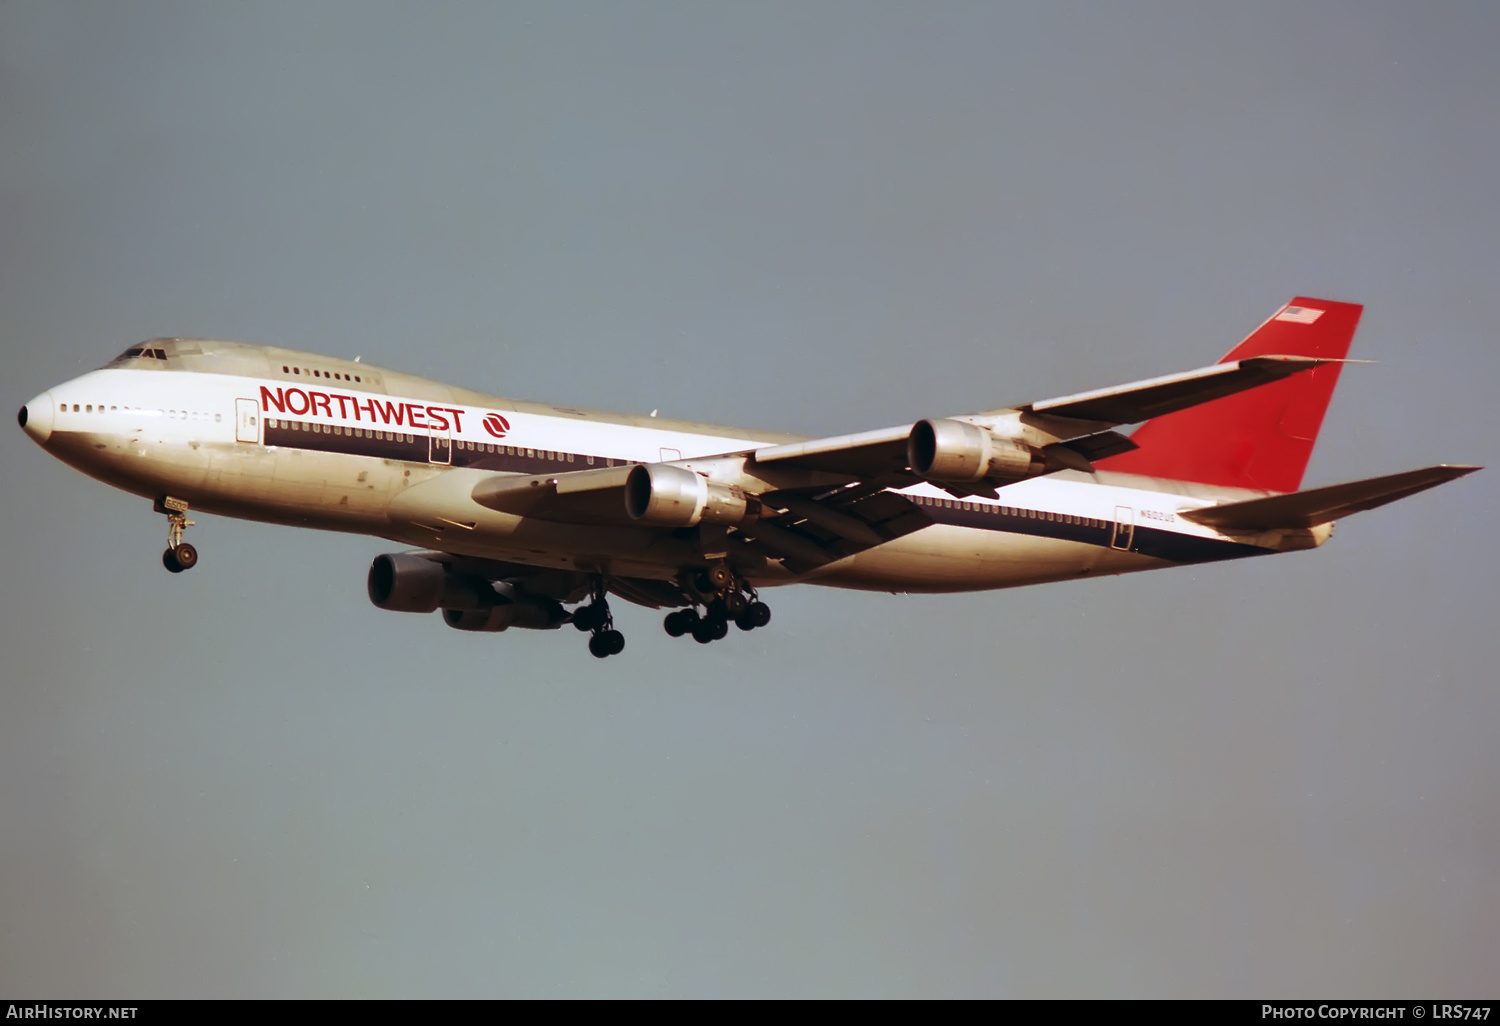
(530,515)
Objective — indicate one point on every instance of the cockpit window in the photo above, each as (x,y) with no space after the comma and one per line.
(144,351)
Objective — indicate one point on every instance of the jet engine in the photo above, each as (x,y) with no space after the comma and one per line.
(529,613)
(952,450)
(667,496)
(404,583)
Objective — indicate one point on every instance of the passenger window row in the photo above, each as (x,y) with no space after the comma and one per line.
(173,414)
(316,373)
(511,450)
(1012,511)
(337,429)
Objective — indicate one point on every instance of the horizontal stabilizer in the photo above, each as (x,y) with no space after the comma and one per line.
(1322,505)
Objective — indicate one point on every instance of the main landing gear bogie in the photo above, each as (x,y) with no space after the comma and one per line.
(597,618)
(732,601)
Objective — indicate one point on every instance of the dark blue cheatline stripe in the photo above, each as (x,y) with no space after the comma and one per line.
(1148,541)
(415,448)
(318,437)
(1187,548)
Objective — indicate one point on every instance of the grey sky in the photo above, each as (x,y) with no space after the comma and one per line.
(1276,777)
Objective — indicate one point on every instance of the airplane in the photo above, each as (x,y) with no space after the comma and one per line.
(529,515)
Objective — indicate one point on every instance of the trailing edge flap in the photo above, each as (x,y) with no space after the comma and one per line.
(1098,446)
(576,497)
(1322,505)
(870,454)
(810,533)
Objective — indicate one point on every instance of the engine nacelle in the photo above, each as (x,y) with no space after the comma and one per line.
(952,450)
(667,496)
(528,613)
(404,583)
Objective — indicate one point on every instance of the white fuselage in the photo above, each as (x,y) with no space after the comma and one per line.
(253,432)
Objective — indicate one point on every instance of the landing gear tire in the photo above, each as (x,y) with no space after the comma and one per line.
(179,558)
(715,579)
(757,614)
(591,617)
(607,643)
(735,603)
(681,622)
(703,631)
(185,556)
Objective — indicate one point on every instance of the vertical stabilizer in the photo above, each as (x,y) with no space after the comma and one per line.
(1261,438)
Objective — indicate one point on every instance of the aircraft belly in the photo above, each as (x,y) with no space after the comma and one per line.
(944,558)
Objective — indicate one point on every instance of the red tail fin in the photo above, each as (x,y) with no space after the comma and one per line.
(1261,438)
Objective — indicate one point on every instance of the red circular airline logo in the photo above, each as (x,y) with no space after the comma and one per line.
(496,425)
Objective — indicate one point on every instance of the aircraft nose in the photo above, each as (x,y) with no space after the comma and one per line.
(36,417)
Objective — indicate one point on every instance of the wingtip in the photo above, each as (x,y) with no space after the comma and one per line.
(1453,471)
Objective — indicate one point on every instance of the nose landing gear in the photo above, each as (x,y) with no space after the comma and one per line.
(180,555)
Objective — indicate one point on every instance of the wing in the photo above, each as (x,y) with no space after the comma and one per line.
(1078,426)
(807,504)
(1142,400)
(576,497)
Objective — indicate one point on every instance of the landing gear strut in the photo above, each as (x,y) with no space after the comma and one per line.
(597,618)
(727,598)
(180,555)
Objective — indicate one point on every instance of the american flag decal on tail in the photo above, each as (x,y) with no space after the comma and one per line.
(1299,314)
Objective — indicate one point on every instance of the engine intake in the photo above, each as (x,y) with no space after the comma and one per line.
(667,496)
(404,583)
(951,450)
(407,583)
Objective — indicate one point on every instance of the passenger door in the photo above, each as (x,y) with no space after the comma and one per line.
(1124,532)
(440,445)
(246,420)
